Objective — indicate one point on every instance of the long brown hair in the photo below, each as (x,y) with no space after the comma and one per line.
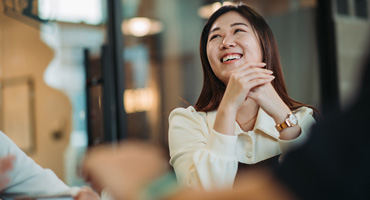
(213,88)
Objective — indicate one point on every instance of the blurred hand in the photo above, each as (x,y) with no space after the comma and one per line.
(124,170)
(252,185)
(6,164)
(87,193)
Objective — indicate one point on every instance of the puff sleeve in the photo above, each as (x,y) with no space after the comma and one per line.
(201,157)
(305,121)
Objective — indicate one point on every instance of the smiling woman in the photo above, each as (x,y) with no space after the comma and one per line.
(243,115)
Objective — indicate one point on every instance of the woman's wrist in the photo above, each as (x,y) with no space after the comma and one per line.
(281,115)
(227,109)
(225,119)
(290,133)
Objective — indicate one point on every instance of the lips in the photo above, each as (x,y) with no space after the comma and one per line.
(230,57)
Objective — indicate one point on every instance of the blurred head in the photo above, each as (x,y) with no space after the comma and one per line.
(258,45)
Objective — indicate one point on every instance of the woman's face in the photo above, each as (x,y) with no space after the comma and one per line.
(232,43)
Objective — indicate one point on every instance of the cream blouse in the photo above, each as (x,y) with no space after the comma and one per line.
(204,158)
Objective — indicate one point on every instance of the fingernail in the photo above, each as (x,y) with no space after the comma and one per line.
(272,77)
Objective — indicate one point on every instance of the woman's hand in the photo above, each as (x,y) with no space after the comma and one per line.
(268,99)
(241,81)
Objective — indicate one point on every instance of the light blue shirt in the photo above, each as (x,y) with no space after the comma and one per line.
(27,177)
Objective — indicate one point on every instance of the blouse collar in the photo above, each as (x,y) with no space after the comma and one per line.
(266,124)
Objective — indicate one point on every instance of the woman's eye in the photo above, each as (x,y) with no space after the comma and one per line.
(213,37)
(239,30)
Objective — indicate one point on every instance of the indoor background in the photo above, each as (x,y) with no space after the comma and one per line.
(77,73)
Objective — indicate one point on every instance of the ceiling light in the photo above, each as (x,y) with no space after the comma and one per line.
(141,26)
(207,10)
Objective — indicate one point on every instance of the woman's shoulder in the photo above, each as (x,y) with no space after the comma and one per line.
(305,114)
(188,112)
(303,110)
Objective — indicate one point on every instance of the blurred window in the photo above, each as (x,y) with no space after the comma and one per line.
(361,8)
(86,11)
(342,7)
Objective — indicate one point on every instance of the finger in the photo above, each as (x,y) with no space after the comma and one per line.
(250,65)
(252,71)
(244,78)
(259,82)
(248,84)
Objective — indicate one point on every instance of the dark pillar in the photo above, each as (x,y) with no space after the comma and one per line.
(327,57)
(113,76)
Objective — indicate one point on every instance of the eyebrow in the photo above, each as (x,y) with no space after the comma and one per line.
(234,24)
(239,23)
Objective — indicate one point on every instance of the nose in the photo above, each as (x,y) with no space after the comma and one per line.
(227,42)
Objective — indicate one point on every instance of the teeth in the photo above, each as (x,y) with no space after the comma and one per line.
(230,57)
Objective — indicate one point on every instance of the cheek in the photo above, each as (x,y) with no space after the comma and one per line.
(210,56)
(258,49)
(255,49)
(215,68)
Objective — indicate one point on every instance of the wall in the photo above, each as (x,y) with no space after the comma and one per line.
(296,38)
(352,35)
(22,53)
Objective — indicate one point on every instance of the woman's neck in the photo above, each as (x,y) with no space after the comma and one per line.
(247,114)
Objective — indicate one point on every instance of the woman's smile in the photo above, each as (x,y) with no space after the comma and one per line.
(231,58)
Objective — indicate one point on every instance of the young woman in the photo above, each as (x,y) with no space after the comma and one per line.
(244,114)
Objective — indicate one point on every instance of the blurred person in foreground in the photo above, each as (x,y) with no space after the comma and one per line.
(21,176)
(333,163)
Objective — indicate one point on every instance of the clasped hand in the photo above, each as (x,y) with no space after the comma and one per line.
(253,81)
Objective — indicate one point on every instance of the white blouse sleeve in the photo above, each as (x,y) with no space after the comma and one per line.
(305,121)
(200,159)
